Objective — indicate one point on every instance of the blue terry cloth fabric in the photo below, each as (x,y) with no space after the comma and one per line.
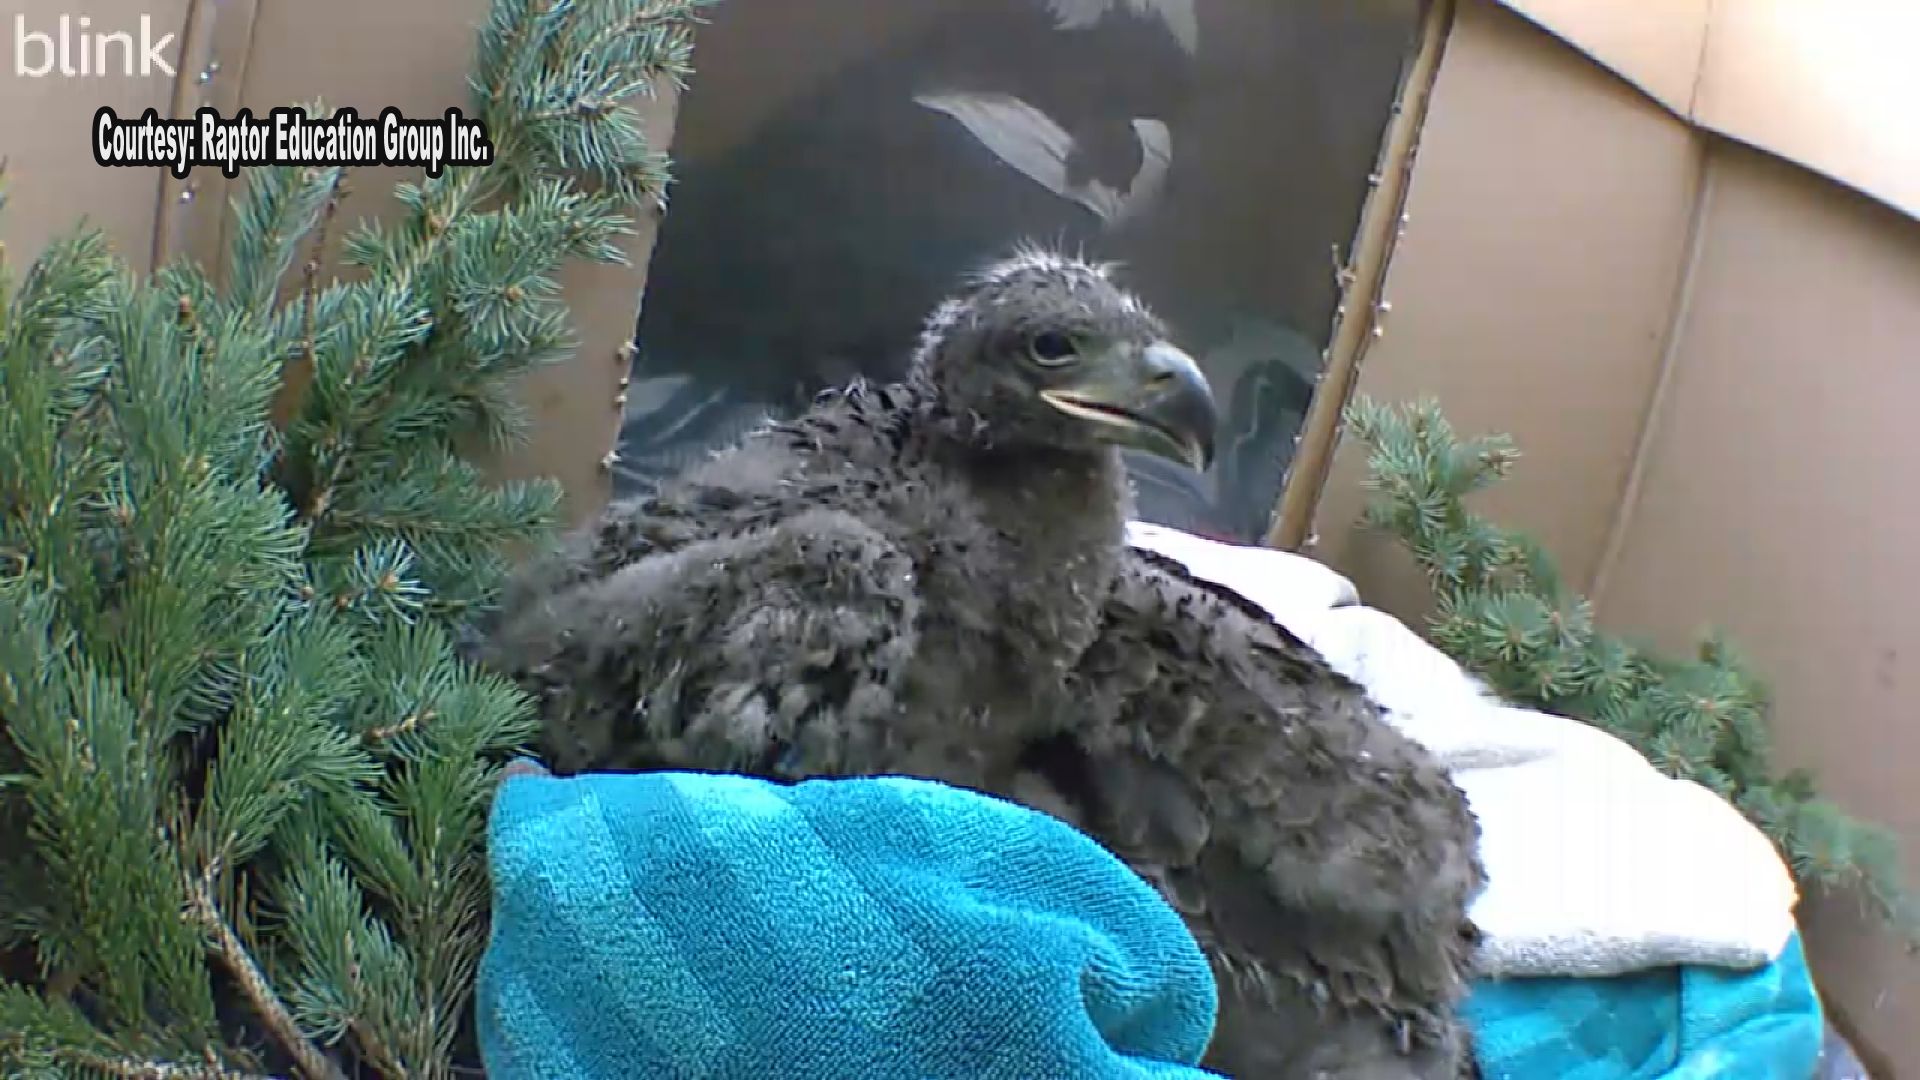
(678,925)
(1673,1023)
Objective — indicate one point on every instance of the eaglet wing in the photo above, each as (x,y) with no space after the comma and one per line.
(777,653)
(1325,860)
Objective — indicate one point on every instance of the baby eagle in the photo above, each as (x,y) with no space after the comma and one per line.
(930,578)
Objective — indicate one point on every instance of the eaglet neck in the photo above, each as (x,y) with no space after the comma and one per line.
(1051,504)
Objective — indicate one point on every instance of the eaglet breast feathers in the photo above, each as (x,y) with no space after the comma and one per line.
(930,578)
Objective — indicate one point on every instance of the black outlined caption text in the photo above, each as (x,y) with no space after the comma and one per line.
(288,136)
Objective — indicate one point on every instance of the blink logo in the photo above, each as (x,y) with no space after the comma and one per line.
(72,46)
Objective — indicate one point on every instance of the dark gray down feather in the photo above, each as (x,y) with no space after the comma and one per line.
(930,578)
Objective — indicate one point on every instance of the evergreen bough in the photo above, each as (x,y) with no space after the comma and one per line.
(244,772)
(1503,612)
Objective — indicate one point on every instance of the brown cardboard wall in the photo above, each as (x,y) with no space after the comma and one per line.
(45,133)
(259,54)
(1706,355)
(1546,226)
(1828,84)
(1657,47)
(1777,501)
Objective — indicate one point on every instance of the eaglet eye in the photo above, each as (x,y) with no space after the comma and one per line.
(1051,348)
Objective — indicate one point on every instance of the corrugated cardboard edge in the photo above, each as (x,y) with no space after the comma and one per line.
(1826,84)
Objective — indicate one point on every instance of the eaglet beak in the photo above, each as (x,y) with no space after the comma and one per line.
(1154,399)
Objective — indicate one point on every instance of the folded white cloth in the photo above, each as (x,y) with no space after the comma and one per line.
(1597,863)
(1291,587)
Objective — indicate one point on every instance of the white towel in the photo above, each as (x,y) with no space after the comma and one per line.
(1597,863)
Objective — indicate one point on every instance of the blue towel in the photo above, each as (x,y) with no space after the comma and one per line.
(1672,1023)
(684,925)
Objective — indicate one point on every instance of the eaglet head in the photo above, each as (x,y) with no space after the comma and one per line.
(1047,352)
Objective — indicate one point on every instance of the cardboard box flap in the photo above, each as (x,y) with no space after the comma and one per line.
(1826,84)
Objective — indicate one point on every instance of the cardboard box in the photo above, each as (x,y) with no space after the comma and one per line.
(1670,247)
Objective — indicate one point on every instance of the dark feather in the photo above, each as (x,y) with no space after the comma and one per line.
(1331,889)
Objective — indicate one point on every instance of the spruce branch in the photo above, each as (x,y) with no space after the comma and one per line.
(151,1070)
(1503,612)
(233,955)
(243,770)
(281,209)
(69,1060)
(316,253)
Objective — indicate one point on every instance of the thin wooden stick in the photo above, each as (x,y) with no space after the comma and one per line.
(1357,322)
